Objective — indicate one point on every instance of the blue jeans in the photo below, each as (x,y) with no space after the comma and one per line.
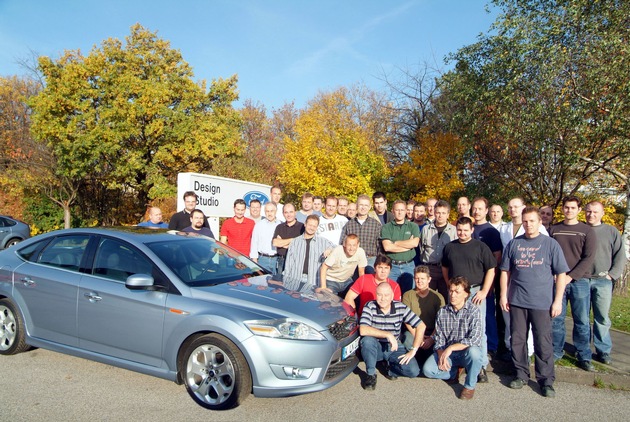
(469,359)
(374,351)
(484,338)
(339,286)
(270,263)
(370,265)
(578,294)
(491,323)
(601,296)
(403,275)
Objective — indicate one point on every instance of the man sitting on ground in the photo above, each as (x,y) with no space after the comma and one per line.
(380,326)
(458,335)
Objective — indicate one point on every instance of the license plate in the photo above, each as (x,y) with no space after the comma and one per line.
(350,349)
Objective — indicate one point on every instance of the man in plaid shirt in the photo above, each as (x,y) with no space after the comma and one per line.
(458,335)
(380,325)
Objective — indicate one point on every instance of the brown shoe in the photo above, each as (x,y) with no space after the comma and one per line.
(455,379)
(466,394)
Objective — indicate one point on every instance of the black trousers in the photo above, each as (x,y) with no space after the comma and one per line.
(540,320)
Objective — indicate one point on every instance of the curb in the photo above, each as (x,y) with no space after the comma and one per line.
(613,380)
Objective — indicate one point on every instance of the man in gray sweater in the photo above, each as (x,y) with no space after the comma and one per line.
(610,259)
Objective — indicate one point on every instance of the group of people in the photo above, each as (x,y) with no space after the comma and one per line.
(396,268)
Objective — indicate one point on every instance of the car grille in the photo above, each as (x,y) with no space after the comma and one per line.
(340,367)
(343,328)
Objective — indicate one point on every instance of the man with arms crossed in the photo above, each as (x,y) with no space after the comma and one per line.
(527,293)
(400,238)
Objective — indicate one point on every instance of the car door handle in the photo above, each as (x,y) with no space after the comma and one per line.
(27,281)
(93,297)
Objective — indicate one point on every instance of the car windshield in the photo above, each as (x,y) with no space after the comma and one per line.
(204,262)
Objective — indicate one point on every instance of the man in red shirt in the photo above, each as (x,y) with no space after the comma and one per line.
(237,231)
(365,286)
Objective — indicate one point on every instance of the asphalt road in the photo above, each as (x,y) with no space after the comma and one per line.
(44,385)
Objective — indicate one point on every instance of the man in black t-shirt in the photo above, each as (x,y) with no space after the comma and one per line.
(472,259)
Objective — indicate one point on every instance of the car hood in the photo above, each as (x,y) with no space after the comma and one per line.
(263,296)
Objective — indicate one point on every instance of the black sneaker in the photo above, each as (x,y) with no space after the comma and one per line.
(548,391)
(483,376)
(517,383)
(390,375)
(370,382)
(586,365)
(604,358)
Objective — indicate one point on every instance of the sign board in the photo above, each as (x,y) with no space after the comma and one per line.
(216,195)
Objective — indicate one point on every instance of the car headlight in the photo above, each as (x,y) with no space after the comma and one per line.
(284,328)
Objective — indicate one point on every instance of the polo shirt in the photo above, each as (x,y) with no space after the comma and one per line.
(393,232)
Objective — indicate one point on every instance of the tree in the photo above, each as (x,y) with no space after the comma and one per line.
(262,143)
(433,167)
(331,153)
(542,100)
(19,156)
(130,117)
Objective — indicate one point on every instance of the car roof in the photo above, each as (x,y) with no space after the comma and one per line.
(130,233)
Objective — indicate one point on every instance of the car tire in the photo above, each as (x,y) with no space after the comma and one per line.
(215,372)
(12,242)
(12,339)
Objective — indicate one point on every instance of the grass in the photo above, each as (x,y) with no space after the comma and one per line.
(620,312)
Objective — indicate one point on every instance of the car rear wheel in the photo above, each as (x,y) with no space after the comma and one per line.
(11,329)
(216,374)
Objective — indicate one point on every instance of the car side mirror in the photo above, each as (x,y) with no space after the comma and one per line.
(139,282)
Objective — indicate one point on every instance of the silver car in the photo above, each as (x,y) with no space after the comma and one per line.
(176,306)
(12,231)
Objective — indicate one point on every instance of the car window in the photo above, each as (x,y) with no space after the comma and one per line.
(5,222)
(64,252)
(203,262)
(118,260)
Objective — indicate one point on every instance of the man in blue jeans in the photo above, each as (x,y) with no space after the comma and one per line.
(608,264)
(474,260)
(578,243)
(380,326)
(400,238)
(458,337)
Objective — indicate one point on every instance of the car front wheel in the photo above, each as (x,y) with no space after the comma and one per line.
(12,242)
(11,329)
(216,373)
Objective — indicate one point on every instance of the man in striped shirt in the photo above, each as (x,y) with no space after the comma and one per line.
(380,326)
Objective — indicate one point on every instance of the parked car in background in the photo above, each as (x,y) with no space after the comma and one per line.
(173,305)
(12,231)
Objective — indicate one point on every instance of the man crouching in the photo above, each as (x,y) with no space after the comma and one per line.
(458,334)
(380,326)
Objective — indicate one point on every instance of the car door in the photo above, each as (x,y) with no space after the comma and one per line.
(114,320)
(48,284)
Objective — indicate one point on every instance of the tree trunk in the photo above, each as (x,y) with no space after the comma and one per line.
(67,217)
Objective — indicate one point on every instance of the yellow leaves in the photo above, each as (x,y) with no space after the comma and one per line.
(434,168)
(330,153)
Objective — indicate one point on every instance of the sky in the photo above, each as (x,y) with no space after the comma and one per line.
(281,50)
